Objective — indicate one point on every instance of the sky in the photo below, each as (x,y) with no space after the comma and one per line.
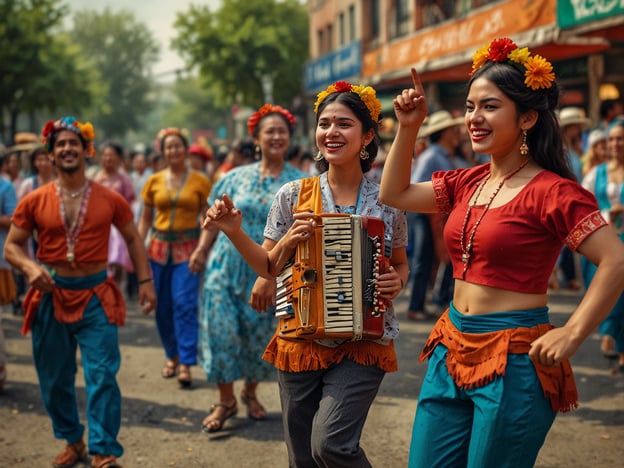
(157,15)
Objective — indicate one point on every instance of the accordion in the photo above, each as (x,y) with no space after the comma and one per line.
(328,289)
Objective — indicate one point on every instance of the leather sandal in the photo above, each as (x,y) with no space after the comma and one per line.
(169,371)
(104,461)
(213,422)
(71,455)
(255,410)
(184,376)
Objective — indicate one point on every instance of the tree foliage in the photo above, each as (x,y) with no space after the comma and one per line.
(123,51)
(243,41)
(39,69)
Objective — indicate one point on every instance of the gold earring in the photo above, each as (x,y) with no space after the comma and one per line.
(524,148)
(319,156)
(363,153)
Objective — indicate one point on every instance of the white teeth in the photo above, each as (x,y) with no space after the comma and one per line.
(334,145)
(480,133)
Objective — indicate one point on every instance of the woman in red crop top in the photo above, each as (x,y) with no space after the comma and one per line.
(498,371)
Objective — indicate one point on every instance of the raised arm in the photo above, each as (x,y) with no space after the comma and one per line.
(224,216)
(410,108)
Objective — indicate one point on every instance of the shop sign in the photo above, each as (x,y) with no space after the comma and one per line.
(574,12)
(504,19)
(337,65)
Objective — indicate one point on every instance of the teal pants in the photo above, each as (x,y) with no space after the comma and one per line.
(54,352)
(501,424)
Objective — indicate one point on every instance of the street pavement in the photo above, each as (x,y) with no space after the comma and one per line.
(160,425)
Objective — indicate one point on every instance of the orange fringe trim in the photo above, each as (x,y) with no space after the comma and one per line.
(476,359)
(69,304)
(300,356)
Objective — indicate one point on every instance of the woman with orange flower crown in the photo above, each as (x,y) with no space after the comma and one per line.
(498,372)
(174,201)
(328,385)
(232,333)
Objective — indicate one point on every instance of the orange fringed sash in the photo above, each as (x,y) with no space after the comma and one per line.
(300,356)
(69,304)
(476,359)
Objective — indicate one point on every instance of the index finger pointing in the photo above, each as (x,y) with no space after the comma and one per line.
(417,84)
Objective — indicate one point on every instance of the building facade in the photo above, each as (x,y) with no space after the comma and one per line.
(376,42)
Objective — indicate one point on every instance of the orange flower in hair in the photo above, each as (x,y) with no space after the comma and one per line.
(265,110)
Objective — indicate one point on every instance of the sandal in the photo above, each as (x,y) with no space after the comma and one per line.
(219,413)
(184,376)
(255,410)
(104,461)
(169,371)
(71,455)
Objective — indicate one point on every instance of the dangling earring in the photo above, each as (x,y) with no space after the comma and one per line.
(319,156)
(257,152)
(524,149)
(363,153)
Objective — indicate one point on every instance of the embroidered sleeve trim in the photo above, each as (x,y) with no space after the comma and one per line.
(584,228)
(441,195)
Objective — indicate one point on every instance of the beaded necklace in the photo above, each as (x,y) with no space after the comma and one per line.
(467,250)
(72,232)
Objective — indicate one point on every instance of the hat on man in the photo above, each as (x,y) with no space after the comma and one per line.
(439,121)
(25,141)
(595,136)
(201,151)
(573,115)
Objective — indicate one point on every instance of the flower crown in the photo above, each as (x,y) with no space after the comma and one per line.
(538,72)
(252,122)
(183,132)
(84,130)
(366,93)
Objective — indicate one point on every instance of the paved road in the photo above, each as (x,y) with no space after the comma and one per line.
(161,423)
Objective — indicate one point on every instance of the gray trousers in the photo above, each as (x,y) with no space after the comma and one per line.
(324,413)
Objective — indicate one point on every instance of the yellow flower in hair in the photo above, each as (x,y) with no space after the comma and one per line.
(519,55)
(366,93)
(480,57)
(539,72)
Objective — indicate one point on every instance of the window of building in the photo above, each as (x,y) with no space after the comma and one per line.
(341,26)
(400,26)
(321,41)
(352,23)
(330,38)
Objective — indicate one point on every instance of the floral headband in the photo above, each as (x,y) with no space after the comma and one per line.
(252,122)
(366,93)
(83,130)
(183,132)
(538,72)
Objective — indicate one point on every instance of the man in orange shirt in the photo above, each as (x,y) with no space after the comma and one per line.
(72,300)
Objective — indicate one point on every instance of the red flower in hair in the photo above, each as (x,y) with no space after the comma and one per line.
(342,86)
(48,128)
(252,122)
(500,48)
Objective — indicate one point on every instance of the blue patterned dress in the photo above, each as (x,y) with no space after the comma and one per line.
(232,335)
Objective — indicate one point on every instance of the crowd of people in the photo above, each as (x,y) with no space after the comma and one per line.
(483,213)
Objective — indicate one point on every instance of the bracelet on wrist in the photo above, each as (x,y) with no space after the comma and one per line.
(146,280)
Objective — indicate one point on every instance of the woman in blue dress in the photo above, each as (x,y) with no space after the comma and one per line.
(232,334)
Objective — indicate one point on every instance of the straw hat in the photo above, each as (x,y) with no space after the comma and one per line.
(25,141)
(573,115)
(439,121)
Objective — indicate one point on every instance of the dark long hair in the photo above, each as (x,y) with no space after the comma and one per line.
(353,102)
(544,138)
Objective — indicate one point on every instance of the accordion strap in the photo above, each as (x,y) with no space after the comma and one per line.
(310,198)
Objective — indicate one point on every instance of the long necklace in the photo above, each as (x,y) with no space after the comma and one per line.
(467,249)
(72,232)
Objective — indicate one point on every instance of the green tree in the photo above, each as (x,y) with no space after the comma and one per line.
(123,51)
(244,42)
(40,70)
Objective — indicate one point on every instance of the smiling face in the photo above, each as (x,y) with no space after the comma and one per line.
(175,151)
(110,160)
(273,137)
(492,120)
(68,152)
(340,136)
(615,143)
